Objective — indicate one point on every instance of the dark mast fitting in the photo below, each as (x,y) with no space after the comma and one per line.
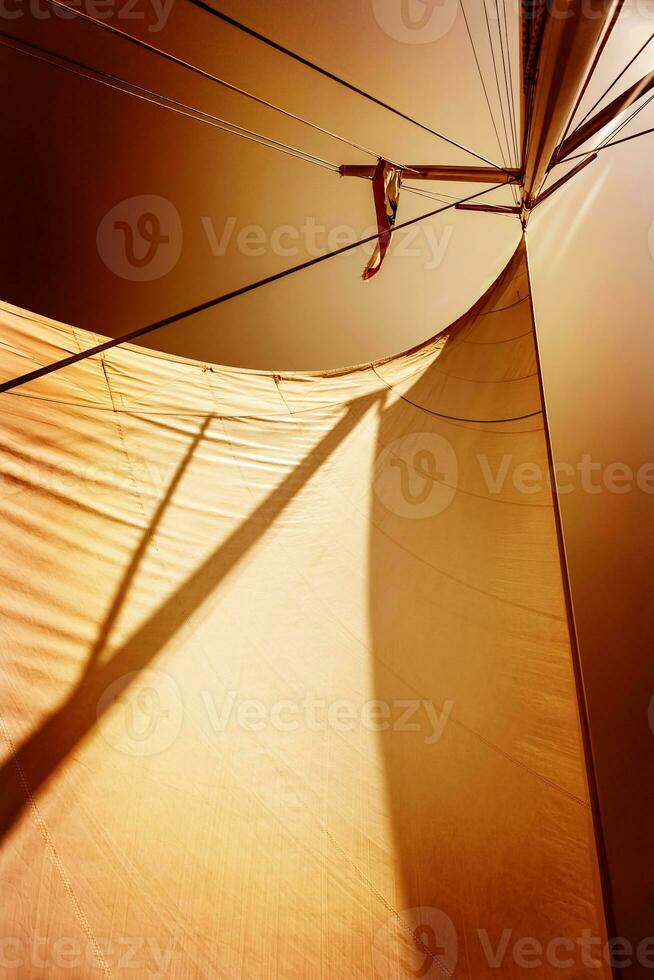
(559,41)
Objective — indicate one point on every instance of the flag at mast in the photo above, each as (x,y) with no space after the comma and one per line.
(386,191)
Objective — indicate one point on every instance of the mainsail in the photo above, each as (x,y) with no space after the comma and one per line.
(287,685)
(288,682)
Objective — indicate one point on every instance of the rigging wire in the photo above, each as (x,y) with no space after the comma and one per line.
(481,78)
(615,81)
(509,89)
(174,59)
(152,97)
(497,82)
(335,78)
(217,301)
(604,145)
(506,84)
(116,83)
(513,103)
(425,193)
(598,54)
(485,90)
(419,192)
(626,122)
(514,193)
(625,139)
(499,94)
(618,129)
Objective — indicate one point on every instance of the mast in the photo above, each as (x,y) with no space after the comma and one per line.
(559,40)
(556,61)
(605,116)
(563,39)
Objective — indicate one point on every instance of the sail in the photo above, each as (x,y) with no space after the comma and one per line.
(287,687)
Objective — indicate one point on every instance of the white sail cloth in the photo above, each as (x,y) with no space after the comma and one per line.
(287,688)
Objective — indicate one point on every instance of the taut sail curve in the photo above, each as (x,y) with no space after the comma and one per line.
(287,686)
